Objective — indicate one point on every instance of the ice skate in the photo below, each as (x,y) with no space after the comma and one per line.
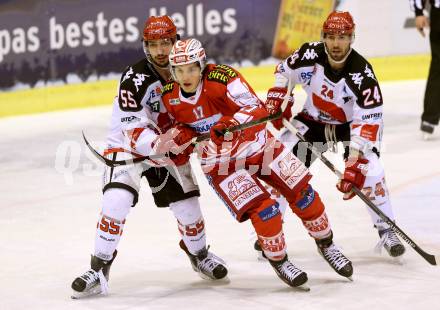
(391,243)
(334,257)
(206,264)
(290,274)
(93,281)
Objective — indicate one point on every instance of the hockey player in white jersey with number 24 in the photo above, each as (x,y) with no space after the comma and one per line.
(344,104)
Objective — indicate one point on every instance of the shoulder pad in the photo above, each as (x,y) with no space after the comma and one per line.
(133,85)
(363,82)
(307,55)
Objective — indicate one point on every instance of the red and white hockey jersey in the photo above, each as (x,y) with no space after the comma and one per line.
(222,91)
(349,96)
(138,112)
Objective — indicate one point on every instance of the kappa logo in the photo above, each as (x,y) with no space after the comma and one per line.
(309,54)
(369,73)
(357,79)
(139,80)
(127,75)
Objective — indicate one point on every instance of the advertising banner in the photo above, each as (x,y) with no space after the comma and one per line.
(299,21)
(64,40)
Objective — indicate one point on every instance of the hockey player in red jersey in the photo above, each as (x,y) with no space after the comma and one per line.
(212,98)
(344,104)
(138,118)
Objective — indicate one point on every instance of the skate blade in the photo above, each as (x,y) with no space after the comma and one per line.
(302,288)
(208,278)
(80,295)
(398,260)
(350,278)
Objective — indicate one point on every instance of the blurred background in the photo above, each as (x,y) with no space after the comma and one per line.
(69,53)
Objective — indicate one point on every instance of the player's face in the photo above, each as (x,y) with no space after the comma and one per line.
(188,76)
(337,45)
(159,51)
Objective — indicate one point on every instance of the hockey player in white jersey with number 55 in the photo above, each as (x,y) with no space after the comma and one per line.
(344,104)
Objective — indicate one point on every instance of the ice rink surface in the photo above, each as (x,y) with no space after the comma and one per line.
(50,204)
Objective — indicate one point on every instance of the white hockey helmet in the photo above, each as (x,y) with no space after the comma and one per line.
(186,52)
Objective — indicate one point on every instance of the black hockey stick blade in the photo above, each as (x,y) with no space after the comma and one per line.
(432,259)
(116,163)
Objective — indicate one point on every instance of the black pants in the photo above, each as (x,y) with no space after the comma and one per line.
(431,107)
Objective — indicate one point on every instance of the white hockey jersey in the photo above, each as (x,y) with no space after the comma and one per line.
(351,95)
(138,112)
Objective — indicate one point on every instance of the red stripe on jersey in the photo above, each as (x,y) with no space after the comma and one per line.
(329,108)
(134,134)
(119,150)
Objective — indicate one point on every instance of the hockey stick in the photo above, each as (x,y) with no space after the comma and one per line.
(432,259)
(202,137)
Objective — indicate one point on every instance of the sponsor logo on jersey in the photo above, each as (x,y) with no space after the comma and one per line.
(269,212)
(306,76)
(155,106)
(289,168)
(139,80)
(307,197)
(240,188)
(205,124)
(174,101)
(157,92)
(369,73)
(218,76)
(228,70)
(369,132)
(168,88)
(309,54)
(130,119)
(372,116)
(357,79)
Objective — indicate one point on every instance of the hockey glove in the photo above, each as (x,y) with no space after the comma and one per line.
(354,175)
(183,148)
(176,143)
(275,97)
(219,132)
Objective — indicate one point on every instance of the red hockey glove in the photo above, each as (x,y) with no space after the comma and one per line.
(354,175)
(180,154)
(176,142)
(275,97)
(223,124)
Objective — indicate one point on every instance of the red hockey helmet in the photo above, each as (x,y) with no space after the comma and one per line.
(339,23)
(159,27)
